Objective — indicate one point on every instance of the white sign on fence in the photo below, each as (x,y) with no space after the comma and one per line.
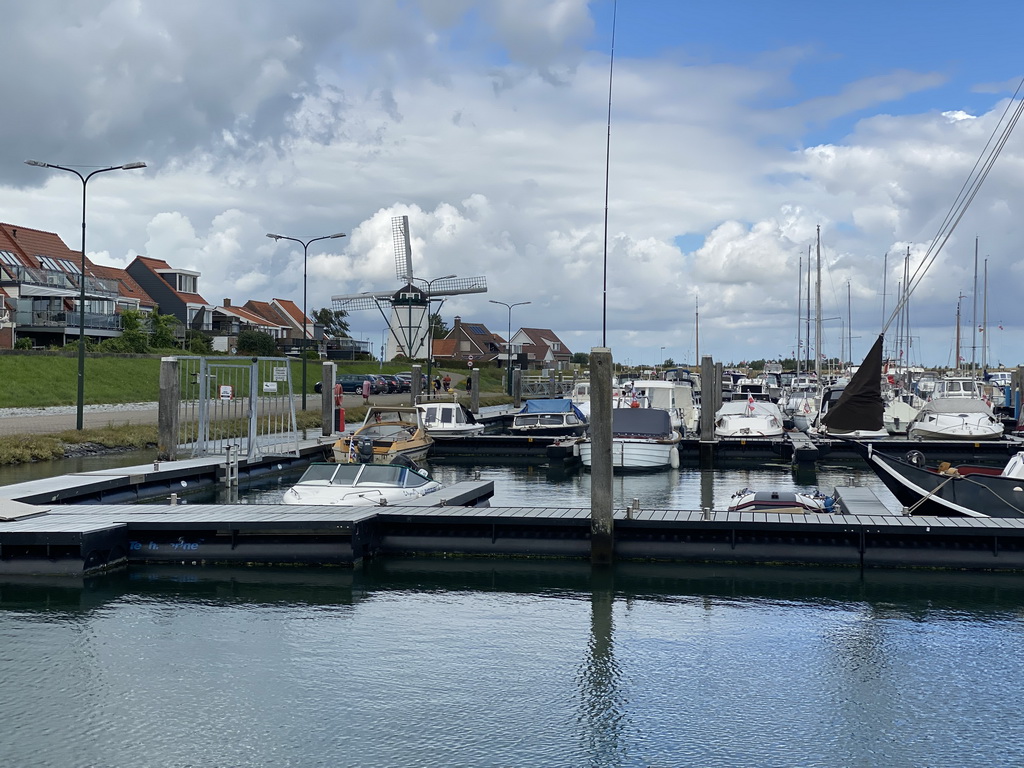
(270,386)
(227,392)
(280,374)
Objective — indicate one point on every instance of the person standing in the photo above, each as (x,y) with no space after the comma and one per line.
(447,382)
(437,385)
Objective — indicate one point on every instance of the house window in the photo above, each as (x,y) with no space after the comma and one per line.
(556,347)
(9,258)
(70,266)
(186,283)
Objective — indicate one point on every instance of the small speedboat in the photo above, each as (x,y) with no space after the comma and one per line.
(796,502)
(386,433)
(354,485)
(446,419)
(557,418)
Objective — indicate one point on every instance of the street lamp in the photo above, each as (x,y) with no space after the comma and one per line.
(430,325)
(81,308)
(305,251)
(508,351)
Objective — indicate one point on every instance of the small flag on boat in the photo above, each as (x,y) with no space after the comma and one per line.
(750,402)
(351,450)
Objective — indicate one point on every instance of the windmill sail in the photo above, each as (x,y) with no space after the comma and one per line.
(403,248)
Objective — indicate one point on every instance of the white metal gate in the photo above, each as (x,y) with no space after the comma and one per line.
(246,404)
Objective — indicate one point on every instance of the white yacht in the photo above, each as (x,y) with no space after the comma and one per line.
(355,485)
(956,411)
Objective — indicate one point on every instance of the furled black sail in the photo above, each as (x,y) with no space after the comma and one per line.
(860,406)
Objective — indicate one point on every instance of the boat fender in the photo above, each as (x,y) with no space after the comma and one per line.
(576,450)
(673,457)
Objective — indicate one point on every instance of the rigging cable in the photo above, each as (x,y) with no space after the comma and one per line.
(971,186)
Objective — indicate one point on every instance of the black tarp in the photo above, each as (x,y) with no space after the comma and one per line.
(641,422)
(861,405)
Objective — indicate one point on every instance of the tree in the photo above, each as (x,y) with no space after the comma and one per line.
(162,330)
(133,337)
(581,358)
(256,343)
(438,327)
(333,321)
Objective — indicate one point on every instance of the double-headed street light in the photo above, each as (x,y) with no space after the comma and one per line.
(508,351)
(305,251)
(81,308)
(430,325)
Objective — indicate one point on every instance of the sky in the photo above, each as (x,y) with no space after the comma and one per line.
(736,130)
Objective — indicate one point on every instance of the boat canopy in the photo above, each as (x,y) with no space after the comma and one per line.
(956,405)
(641,422)
(552,406)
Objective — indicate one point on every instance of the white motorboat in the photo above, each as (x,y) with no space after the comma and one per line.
(676,397)
(748,418)
(352,485)
(554,418)
(800,401)
(956,411)
(955,419)
(444,420)
(642,438)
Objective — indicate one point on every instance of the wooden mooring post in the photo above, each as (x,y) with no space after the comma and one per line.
(602,531)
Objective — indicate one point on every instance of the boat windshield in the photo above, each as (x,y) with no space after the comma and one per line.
(382,474)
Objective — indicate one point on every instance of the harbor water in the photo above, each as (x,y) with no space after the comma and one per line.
(502,662)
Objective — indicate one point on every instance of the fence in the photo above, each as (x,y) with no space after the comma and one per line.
(246,404)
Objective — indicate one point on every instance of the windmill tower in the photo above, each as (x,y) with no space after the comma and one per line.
(409,320)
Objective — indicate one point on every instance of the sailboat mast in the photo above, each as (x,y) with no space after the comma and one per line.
(984,324)
(799,285)
(849,324)
(807,325)
(696,325)
(958,298)
(817,317)
(974,310)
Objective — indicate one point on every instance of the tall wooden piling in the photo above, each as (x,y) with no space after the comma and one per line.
(328,417)
(474,393)
(167,412)
(602,533)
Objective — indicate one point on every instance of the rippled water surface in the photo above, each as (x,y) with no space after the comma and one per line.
(512,663)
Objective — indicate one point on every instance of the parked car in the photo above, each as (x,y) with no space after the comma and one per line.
(353,382)
(394,385)
(406,376)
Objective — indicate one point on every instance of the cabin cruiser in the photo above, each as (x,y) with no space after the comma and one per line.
(956,411)
(748,418)
(676,397)
(955,419)
(386,433)
(642,438)
(352,485)
(800,400)
(448,419)
(556,418)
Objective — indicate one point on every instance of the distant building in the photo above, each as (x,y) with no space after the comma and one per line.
(541,348)
(41,284)
(176,291)
(469,343)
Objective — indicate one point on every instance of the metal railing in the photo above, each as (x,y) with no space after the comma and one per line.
(243,403)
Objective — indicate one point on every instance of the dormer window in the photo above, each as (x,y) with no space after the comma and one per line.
(186,283)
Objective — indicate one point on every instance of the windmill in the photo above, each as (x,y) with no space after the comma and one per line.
(409,322)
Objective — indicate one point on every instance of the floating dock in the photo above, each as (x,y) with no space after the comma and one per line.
(81,539)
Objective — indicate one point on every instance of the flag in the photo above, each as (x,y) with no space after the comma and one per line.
(352,450)
(750,403)
(1000,327)
(981,329)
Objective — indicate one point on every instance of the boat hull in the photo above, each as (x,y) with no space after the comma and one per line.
(928,492)
(628,454)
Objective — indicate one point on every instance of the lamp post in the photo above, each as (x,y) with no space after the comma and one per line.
(81,308)
(508,352)
(430,326)
(305,252)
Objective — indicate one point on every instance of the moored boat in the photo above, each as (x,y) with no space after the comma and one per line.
(796,502)
(386,433)
(550,418)
(445,420)
(642,438)
(963,491)
(352,485)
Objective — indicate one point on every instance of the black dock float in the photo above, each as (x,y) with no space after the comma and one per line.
(485,445)
(82,540)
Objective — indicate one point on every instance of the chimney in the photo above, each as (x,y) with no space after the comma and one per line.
(458,322)
(14,232)
(227,302)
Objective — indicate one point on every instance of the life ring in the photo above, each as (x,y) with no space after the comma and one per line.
(339,395)
(916,458)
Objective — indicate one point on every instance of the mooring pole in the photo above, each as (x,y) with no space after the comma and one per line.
(602,532)
(167,410)
(328,414)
